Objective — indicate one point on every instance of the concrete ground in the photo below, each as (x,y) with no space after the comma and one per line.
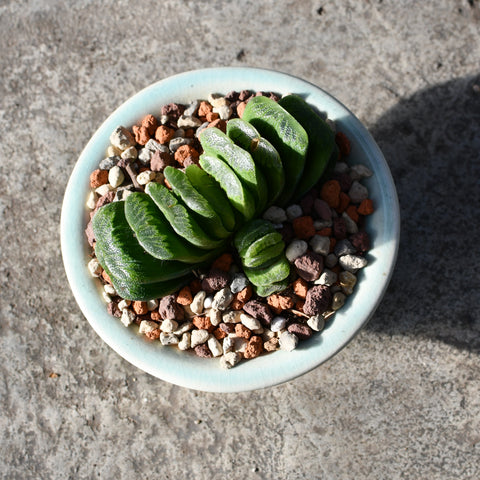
(402,401)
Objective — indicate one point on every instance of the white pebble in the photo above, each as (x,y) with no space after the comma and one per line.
(113,151)
(317,323)
(103,189)
(360,171)
(176,143)
(278,323)
(198,337)
(288,341)
(123,304)
(275,214)
(129,154)
(106,297)
(115,176)
(92,199)
(250,322)
(222,299)
(230,359)
(127,317)
(146,177)
(153,146)
(294,211)
(145,155)
(357,192)
(296,249)
(192,108)
(351,263)
(320,244)
(94,267)
(214,346)
(185,342)
(215,317)
(232,316)
(183,328)
(187,121)
(198,301)
(168,339)
(109,289)
(239,344)
(147,326)
(207,303)
(228,344)
(216,100)
(327,277)
(121,138)
(224,112)
(169,325)
(267,334)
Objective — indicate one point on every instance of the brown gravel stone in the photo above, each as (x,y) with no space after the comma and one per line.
(150,123)
(112,309)
(215,280)
(160,160)
(203,351)
(309,266)
(164,134)
(184,296)
(301,330)
(220,124)
(300,287)
(141,134)
(318,300)
(271,345)
(242,331)
(202,322)
(360,241)
(154,334)
(104,199)
(339,228)
(254,347)
(98,177)
(140,308)
(169,308)
(218,333)
(278,302)
(259,310)
(186,151)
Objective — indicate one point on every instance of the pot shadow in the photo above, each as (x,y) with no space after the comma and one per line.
(432,144)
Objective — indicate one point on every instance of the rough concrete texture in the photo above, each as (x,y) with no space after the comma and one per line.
(401,401)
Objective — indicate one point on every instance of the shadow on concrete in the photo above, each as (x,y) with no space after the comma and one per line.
(432,144)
